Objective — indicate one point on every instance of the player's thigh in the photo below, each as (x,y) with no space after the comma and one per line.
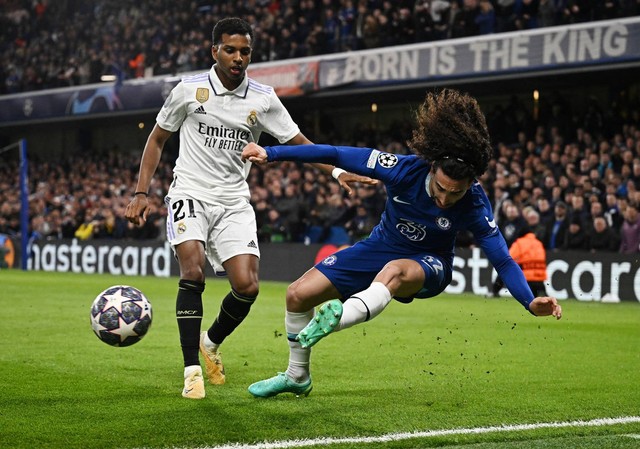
(233,234)
(191,258)
(437,275)
(187,225)
(403,277)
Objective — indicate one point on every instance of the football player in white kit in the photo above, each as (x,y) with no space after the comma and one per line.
(209,215)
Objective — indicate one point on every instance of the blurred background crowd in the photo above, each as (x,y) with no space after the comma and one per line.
(572,176)
(47,44)
(577,188)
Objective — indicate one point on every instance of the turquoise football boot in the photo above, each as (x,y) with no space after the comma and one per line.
(325,322)
(280,383)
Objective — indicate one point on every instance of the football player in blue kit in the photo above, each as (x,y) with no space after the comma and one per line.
(431,196)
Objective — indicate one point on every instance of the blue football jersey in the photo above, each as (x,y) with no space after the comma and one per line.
(411,219)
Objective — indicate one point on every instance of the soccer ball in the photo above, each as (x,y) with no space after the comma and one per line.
(121,315)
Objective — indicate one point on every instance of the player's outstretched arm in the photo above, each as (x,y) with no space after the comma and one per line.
(138,209)
(344,178)
(545,306)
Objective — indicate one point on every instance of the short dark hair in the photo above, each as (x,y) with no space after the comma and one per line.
(451,132)
(231,26)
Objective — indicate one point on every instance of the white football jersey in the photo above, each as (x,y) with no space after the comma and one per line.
(215,125)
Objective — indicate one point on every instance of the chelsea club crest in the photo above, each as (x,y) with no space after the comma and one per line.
(443,223)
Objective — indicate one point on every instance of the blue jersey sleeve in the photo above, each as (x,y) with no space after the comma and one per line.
(486,232)
(354,159)
(498,254)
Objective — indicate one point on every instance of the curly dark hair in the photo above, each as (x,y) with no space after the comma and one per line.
(451,132)
(230,26)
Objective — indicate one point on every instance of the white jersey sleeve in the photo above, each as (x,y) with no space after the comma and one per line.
(278,121)
(173,113)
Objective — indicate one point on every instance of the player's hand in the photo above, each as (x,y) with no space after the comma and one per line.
(545,306)
(137,210)
(346,178)
(253,152)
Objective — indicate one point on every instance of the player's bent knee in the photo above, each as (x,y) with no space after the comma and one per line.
(192,273)
(295,301)
(246,284)
(250,290)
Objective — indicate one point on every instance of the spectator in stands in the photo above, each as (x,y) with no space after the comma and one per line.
(576,238)
(602,237)
(526,12)
(423,21)
(274,229)
(88,225)
(612,211)
(547,13)
(505,15)
(292,30)
(291,208)
(485,18)
(630,231)
(532,217)
(579,208)
(557,227)
(512,224)
(361,225)
(543,207)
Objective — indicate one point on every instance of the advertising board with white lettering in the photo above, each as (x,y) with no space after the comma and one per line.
(585,276)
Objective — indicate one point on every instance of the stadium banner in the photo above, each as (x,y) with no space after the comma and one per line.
(532,51)
(609,277)
(552,49)
(280,262)
(139,95)
(288,79)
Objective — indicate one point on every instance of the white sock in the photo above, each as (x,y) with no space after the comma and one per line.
(211,346)
(299,357)
(189,370)
(364,306)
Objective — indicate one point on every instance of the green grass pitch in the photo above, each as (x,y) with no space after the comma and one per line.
(451,362)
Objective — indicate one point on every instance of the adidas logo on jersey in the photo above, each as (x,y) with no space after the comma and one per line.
(252,244)
(200,110)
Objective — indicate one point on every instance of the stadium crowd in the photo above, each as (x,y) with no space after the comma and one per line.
(573,177)
(47,44)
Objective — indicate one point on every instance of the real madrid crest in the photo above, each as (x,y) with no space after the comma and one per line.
(252,118)
(182,228)
(202,94)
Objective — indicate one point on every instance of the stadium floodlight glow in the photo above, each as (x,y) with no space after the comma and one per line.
(536,95)
(374,107)
(107,78)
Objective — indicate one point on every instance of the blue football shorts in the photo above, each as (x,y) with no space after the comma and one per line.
(353,269)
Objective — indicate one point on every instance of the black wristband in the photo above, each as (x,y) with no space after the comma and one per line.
(141,193)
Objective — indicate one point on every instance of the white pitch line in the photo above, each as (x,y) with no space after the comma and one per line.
(288,444)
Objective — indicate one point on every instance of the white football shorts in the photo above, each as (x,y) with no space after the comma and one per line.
(226,232)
